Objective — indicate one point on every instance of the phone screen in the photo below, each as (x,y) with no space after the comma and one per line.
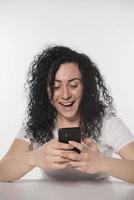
(68,134)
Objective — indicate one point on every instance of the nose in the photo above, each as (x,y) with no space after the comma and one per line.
(66,94)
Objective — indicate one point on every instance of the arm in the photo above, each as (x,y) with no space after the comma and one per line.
(20,160)
(122,168)
(16,162)
(91,161)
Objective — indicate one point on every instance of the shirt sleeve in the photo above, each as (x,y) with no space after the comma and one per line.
(21,135)
(116,134)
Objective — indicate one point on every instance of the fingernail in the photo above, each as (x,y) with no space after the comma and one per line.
(70,142)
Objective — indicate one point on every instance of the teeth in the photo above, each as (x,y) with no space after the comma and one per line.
(66,103)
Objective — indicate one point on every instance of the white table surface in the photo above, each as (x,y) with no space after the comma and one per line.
(65,190)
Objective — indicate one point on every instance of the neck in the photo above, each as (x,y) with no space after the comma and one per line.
(65,123)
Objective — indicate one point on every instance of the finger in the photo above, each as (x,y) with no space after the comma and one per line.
(58,152)
(75,164)
(88,141)
(91,144)
(71,155)
(59,145)
(58,159)
(81,146)
(58,166)
(76,145)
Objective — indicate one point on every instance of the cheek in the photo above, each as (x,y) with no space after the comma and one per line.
(78,93)
(55,97)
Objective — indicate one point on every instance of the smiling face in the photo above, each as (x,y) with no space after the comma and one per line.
(67,92)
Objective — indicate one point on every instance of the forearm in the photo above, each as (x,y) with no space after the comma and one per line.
(14,167)
(120,168)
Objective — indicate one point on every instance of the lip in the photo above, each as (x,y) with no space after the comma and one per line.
(69,103)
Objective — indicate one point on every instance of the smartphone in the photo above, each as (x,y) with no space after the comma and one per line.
(67,134)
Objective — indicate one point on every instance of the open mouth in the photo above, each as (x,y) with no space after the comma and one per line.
(67,104)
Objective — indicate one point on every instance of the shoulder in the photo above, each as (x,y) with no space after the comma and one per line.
(17,147)
(21,134)
(115,133)
(112,122)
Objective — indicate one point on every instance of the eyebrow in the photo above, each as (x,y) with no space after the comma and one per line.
(73,79)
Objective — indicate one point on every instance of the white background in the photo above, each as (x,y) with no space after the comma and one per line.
(103,29)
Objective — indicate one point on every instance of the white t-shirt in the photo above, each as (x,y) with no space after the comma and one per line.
(114,136)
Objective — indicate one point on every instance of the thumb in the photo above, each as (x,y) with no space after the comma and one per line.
(91,144)
(88,141)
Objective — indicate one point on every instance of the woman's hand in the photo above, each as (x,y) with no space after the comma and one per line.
(50,154)
(90,160)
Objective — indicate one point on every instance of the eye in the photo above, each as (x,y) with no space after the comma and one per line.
(73,86)
(74,83)
(56,87)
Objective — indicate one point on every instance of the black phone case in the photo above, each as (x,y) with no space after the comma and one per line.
(70,134)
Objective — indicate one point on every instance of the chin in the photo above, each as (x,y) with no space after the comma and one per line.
(70,116)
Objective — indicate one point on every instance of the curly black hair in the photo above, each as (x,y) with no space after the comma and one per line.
(41,115)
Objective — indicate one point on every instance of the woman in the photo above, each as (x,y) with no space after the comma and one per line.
(66,89)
